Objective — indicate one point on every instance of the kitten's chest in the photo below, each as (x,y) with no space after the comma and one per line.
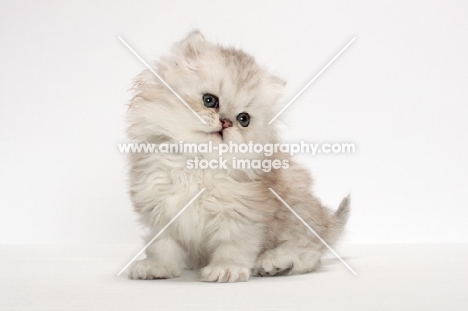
(225,191)
(222,195)
(202,216)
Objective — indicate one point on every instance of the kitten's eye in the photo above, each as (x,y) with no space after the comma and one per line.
(210,101)
(243,118)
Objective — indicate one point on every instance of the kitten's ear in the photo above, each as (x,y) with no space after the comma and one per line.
(277,87)
(193,45)
(278,81)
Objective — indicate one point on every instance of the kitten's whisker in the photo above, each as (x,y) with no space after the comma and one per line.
(311,81)
(162,80)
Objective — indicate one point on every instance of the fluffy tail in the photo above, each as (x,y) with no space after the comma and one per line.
(342,213)
(339,219)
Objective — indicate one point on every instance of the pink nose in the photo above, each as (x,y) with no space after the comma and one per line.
(225,123)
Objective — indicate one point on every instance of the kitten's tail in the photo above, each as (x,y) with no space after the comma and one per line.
(339,219)
(342,213)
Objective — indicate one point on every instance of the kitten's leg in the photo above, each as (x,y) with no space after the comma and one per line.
(164,259)
(235,247)
(294,256)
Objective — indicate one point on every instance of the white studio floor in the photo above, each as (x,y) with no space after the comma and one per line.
(390,277)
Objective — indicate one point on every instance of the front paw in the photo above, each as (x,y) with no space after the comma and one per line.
(150,269)
(225,273)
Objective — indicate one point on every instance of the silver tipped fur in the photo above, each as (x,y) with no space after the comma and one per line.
(237,227)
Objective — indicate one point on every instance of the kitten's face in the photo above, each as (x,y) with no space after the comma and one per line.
(225,87)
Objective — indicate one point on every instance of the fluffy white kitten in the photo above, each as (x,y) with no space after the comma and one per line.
(236,227)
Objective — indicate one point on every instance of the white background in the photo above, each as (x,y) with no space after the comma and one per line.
(398,93)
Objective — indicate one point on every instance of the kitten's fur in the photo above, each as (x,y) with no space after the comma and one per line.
(237,226)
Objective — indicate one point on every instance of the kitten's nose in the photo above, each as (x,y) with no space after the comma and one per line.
(225,123)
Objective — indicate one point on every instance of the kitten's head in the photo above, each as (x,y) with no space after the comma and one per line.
(224,86)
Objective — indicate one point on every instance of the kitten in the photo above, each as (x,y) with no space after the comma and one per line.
(236,227)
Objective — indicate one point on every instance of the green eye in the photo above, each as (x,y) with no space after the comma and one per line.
(210,101)
(243,118)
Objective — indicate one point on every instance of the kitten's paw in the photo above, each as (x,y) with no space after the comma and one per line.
(150,269)
(223,274)
(269,264)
